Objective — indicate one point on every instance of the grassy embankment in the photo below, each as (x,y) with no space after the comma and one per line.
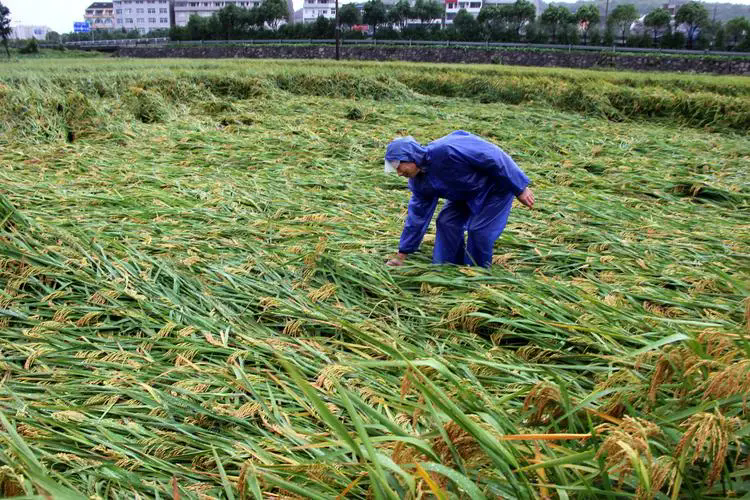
(193,295)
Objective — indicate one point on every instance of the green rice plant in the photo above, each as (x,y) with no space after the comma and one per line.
(199,307)
(341,84)
(29,113)
(146,105)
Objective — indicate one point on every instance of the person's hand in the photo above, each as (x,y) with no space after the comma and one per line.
(527,198)
(398,260)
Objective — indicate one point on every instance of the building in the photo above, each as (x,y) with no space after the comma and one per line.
(453,6)
(327,8)
(25,32)
(671,8)
(183,9)
(298,15)
(142,15)
(290,10)
(100,16)
(312,9)
(474,6)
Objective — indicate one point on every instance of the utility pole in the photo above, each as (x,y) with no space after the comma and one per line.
(606,13)
(338,32)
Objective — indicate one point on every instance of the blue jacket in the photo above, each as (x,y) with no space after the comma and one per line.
(457,167)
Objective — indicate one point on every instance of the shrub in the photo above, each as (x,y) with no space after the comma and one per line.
(32,47)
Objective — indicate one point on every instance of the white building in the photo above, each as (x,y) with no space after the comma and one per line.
(474,6)
(312,9)
(183,9)
(298,16)
(453,6)
(26,32)
(142,15)
(100,16)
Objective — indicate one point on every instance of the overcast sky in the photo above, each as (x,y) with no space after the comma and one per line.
(61,14)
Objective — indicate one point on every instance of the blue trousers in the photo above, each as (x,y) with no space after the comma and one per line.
(482,229)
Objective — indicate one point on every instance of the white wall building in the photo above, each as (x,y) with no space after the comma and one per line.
(312,9)
(453,6)
(27,32)
(100,16)
(474,6)
(183,9)
(142,15)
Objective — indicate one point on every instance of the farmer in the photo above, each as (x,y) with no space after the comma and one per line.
(477,179)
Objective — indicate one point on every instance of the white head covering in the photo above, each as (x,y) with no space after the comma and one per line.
(405,149)
(391,166)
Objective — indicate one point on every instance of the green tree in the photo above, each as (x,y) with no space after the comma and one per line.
(52,37)
(492,19)
(622,17)
(349,15)
(197,27)
(400,13)
(693,15)
(555,17)
(213,28)
(706,37)
(374,14)
(519,13)
(536,33)
(253,18)
(427,11)
(738,28)
(587,16)
(467,28)
(178,33)
(232,20)
(31,47)
(720,37)
(657,20)
(272,12)
(5,29)
(323,28)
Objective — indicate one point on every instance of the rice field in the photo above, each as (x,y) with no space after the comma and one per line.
(194,301)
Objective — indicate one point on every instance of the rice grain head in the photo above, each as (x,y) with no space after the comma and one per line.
(733,379)
(708,435)
(331,374)
(458,318)
(634,432)
(292,327)
(629,392)
(324,292)
(545,400)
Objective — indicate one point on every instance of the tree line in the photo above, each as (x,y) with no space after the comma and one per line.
(512,22)
(425,20)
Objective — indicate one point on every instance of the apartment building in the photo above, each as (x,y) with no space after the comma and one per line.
(453,6)
(27,32)
(312,9)
(183,9)
(474,6)
(142,15)
(100,16)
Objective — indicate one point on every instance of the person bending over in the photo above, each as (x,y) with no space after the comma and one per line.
(477,179)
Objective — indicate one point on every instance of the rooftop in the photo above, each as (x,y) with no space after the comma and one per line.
(100,5)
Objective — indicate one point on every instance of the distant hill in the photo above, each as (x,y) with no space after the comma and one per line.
(724,11)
